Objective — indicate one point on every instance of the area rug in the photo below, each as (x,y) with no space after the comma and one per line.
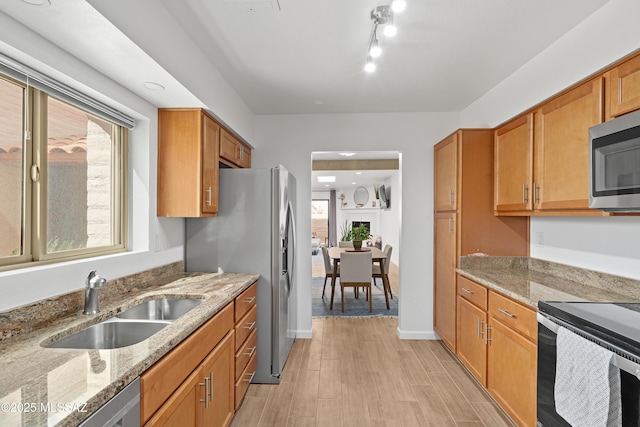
(352,306)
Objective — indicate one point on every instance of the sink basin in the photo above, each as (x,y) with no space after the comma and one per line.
(109,335)
(167,309)
(131,326)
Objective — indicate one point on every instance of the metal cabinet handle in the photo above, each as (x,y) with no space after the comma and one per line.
(480,331)
(250,300)
(536,199)
(450,225)
(211,386)
(251,326)
(468,291)
(451,198)
(506,313)
(206,391)
(525,193)
(251,351)
(209,192)
(487,338)
(250,378)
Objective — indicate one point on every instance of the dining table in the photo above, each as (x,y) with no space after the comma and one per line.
(377,255)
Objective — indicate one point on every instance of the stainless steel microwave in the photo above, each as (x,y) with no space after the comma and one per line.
(614,164)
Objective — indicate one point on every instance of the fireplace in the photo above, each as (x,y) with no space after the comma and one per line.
(357,224)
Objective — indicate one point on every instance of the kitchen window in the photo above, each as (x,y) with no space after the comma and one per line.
(62,178)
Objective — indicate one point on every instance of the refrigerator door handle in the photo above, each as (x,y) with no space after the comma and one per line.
(291,224)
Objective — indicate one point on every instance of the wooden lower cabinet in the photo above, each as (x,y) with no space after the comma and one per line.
(496,341)
(206,397)
(217,374)
(472,348)
(512,367)
(202,381)
(444,286)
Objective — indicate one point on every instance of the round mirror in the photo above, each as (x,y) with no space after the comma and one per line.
(360,196)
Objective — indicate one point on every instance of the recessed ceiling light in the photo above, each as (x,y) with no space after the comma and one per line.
(326,179)
(327,185)
(39,3)
(354,183)
(358,173)
(153,86)
(319,103)
(347,154)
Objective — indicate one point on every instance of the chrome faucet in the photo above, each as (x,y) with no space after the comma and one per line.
(91,286)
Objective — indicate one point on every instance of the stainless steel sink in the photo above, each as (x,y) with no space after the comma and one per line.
(131,326)
(160,309)
(110,334)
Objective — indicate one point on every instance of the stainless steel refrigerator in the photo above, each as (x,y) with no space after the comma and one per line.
(254,232)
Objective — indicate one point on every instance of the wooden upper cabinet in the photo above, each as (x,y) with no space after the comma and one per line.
(513,171)
(624,88)
(187,163)
(446,174)
(561,135)
(234,151)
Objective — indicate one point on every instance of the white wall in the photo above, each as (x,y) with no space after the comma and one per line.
(19,287)
(292,138)
(602,244)
(390,218)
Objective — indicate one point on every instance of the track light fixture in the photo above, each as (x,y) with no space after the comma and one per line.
(382,15)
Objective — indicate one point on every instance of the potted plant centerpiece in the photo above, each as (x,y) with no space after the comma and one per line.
(358,234)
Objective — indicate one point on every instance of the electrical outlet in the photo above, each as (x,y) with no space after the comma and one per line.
(540,239)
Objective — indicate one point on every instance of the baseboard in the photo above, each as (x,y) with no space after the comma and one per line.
(304,335)
(417,335)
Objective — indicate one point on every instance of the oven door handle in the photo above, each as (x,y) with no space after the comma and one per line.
(617,360)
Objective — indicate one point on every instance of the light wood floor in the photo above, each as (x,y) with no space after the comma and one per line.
(356,372)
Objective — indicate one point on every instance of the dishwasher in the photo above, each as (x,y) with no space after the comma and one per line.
(123,410)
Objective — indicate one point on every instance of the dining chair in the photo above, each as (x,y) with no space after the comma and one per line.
(355,272)
(328,268)
(376,268)
(348,244)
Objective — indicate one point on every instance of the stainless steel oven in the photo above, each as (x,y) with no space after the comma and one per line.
(614,326)
(614,164)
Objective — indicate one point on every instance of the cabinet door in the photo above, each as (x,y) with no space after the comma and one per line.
(218,371)
(512,366)
(472,350)
(228,146)
(514,165)
(624,95)
(445,278)
(446,174)
(562,147)
(211,136)
(180,409)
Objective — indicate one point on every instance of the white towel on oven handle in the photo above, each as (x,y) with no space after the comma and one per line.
(587,386)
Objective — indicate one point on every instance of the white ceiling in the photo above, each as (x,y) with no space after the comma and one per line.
(308,56)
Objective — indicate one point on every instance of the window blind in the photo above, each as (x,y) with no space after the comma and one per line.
(63,92)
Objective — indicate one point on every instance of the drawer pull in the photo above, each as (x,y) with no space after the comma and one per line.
(250,378)
(251,351)
(250,300)
(480,324)
(251,326)
(506,313)
(211,387)
(468,291)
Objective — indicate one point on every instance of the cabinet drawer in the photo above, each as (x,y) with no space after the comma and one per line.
(245,301)
(245,353)
(513,314)
(472,292)
(160,381)
(245,326)
(245,379)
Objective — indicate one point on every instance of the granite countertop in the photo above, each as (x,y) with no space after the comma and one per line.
(75,383)
(530,280)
